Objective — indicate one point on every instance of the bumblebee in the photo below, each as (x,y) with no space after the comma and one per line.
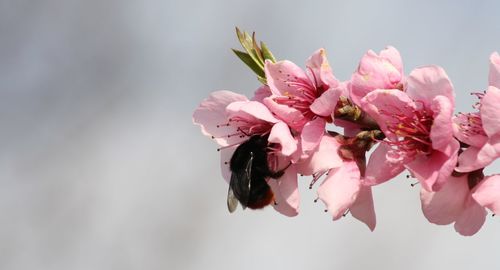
(249,171)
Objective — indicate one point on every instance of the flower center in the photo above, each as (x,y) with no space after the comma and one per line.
(470,124)
(250,127)
(304,94)
(413,131)
(240,127)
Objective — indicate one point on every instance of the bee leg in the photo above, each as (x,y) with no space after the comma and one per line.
(279,173)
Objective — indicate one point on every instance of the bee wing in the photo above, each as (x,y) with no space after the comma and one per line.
(232,201)
(239,186)
(248,171)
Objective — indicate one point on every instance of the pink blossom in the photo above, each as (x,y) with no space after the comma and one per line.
(230,119)
(342,189)
(303,100)
(462,201)
(494,76)
(377,71)
(418,127)
(481,131)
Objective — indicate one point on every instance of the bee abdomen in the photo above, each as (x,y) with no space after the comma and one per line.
(261,198)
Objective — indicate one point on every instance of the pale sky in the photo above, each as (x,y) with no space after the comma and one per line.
(102,168)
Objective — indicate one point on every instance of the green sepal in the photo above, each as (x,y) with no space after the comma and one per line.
(248,44)
(249,61)
(266,53)
(262,80)
(255,56)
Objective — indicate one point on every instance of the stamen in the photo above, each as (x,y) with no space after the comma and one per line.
(346,213)
(302,85)
(227,146)
(247,127)
(316,177)
(223,125)
(413,130)
(470,124)
(414,184)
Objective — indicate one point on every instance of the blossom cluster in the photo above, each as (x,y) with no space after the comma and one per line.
(407,120)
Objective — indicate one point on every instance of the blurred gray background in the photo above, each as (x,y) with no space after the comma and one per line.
(102,168)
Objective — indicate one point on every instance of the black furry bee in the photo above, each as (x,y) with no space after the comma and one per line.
(250,169)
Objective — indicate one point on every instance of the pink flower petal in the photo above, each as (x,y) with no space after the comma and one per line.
(340,189)
(487,193)
(350,129)
(311,135)
(344,87)
(475,139)
(471,219)
(382,105)
(286,193)
(494,76)
(325,104)
(469,160)
(490,111)
(442,129)
(425,83)
(490,150)
(363,210)
(261,93)
(211,115)
(320,71)
(291,116)
(382,71)
(225,159)
(433,170)
(324,158)
(392,55)
(383,165)
(280,134)
(254,109)
(285,78)
(446,205)
(474,158)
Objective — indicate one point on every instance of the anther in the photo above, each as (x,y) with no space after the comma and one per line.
(493,215)
(326,210)
(414,184)
(316,200)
